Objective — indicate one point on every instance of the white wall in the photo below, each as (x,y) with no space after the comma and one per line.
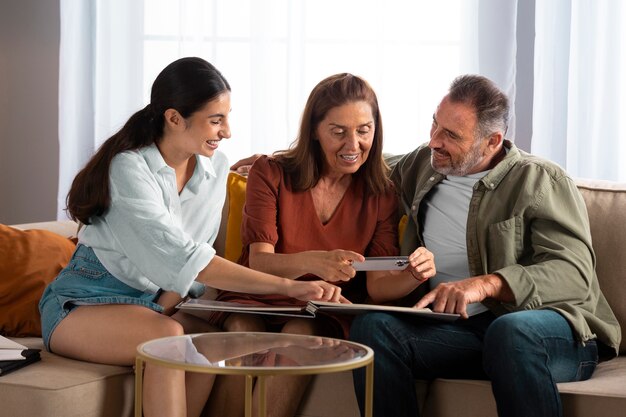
(29,72)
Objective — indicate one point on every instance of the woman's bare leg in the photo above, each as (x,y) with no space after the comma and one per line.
(228,396)
(199,387)
(110,334)
(284,393)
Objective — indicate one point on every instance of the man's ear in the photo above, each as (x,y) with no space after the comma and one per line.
(495,141)
(173,119)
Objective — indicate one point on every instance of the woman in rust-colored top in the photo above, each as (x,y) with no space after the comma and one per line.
(288,221)
(314,209)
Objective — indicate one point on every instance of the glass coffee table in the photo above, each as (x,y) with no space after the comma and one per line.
(255,355)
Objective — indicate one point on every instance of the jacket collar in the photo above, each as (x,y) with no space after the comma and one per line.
(497,173)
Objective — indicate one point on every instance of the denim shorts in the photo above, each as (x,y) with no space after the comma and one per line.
(85,281)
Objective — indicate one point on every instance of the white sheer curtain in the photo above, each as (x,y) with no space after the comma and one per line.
(490,45)
(76,108)
(99,84)
(580,89)
(273,52)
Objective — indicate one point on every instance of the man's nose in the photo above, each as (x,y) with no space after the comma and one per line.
(435,138)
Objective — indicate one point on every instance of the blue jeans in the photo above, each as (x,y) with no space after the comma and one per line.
(524,354)
(85,281)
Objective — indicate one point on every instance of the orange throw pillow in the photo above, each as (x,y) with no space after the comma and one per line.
(29,260)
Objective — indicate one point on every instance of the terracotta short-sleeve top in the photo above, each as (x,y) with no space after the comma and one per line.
(275,214)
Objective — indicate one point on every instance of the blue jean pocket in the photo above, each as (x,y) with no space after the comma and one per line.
(88,273)
(87,266)
(585,370)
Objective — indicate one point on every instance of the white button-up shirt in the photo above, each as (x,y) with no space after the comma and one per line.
(151,237)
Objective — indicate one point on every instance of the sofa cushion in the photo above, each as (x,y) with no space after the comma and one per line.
(62,387)
(29,260)
(605,203)
(602,395)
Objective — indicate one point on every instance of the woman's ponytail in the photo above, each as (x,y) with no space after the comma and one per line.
(89,194)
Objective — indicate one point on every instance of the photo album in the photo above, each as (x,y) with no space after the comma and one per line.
(201,308)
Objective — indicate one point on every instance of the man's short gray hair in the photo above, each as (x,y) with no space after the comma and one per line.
(491,104)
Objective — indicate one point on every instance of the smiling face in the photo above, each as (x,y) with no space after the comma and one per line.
(455,148)
(205,128)
(345,136)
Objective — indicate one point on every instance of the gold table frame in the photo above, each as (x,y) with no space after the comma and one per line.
(250,372)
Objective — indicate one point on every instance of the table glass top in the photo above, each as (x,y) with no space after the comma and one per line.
(256,350)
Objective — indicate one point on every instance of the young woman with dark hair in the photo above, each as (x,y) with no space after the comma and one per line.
(150,200)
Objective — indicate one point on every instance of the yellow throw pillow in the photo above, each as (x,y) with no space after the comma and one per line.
(402,227)
(29,260)
(236,184)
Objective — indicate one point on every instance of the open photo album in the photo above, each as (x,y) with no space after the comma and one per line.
(201,308)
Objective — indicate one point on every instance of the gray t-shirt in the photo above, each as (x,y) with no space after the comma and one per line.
(445,229)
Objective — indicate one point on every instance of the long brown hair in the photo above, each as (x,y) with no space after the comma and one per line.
(304,159)
(185,85)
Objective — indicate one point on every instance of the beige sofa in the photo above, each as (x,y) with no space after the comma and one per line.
(58,386)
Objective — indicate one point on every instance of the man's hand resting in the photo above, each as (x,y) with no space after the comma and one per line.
(453,297)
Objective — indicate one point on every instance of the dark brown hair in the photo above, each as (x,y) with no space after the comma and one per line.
(304,159)
(185,85)
(491,104)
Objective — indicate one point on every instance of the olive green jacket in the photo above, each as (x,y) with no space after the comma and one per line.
(528,223)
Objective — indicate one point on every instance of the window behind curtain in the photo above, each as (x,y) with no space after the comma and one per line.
(580,90)
(273,52)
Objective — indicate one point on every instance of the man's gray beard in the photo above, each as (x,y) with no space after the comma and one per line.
(472,159)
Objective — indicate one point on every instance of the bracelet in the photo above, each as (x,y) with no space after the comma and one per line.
(416,278)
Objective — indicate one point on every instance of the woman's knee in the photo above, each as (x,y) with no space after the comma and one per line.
(244,323)
(301,326)
(166,328)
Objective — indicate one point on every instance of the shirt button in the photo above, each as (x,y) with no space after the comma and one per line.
(413,208)
(431,179)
